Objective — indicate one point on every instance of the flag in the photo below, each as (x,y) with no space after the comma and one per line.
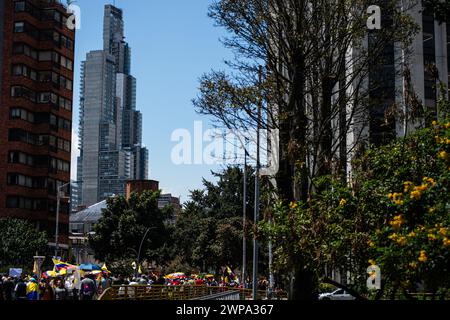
(230,272)
(62,265)
(35,268)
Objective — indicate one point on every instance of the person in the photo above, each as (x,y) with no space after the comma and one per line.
(32,290)
(60,291)
(47,293)
(70,287)
(8,287)
(21,290)
(88,288)
(1,288)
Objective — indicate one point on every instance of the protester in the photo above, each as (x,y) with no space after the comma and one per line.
(88,288)
(8,287)
(48,293)
(33,290)
(1,288)
(60,291)
(21,290)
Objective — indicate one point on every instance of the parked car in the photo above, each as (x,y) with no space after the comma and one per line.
(339,294)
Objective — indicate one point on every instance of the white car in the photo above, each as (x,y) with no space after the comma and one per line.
(339,294)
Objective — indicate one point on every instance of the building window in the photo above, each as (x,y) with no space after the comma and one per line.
(19,6)
(19,27)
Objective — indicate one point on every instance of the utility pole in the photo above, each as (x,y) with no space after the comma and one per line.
(244,221)
(257,187)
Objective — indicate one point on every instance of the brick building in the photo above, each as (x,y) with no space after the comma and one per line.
(36,81)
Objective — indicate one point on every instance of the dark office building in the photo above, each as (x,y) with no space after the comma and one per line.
(36,81)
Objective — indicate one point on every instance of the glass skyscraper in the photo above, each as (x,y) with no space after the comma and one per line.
(111,150)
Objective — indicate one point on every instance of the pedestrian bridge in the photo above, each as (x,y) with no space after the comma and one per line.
(180,293)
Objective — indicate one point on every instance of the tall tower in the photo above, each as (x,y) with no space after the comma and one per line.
(110,126)
(36,83)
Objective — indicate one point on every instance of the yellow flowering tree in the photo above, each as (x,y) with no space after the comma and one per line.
(412,245)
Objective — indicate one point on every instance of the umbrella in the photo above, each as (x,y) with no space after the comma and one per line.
(90,267)
(175,275)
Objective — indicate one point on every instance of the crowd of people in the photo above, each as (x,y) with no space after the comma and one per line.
(70,287)
(91,285)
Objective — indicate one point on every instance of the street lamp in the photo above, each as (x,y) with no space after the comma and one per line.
(58,204)
(138,253)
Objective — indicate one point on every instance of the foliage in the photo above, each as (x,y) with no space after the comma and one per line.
(396,214)
(413,244)
(208,233)
(119,232)
(19,242)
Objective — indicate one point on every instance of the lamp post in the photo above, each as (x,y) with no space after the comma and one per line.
(138,253)
(58,204)
(257,201)
(244,222)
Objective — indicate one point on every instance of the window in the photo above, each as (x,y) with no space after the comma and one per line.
(19,6)
(19,27)
(23,92)
(45,56)
(45,76)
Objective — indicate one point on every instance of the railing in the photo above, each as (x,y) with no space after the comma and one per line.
(158,292)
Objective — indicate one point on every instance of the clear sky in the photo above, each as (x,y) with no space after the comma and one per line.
(173,43)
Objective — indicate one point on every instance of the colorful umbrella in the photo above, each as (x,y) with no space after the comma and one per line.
(175,275)
(90,267)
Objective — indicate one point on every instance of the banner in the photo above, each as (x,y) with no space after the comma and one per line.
(15,272)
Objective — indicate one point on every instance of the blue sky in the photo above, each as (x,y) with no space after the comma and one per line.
(173,43)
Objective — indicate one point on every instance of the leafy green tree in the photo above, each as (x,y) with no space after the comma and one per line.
(119,232)
(19,242)
(208,233)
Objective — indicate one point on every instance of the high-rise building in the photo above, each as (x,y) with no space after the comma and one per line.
(111,149)
(407,80)
(36,82)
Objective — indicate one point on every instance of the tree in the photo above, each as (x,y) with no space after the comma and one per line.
(441,9)
(292,61)
(19,242)
(395,215)
(120,230)
(212,221)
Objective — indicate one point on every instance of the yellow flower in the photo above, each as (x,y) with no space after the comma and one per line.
(397,222)
(402,241)
(371,244)
(393,237)
(431,237)
(423,256)
(443,231)
(293,205)
(412,234)
(446,242)
(408,185)
(434,123)
(432,210)
(372,262)
(413,265)
(416,195)
(429,181)
(444,155)
(343,202)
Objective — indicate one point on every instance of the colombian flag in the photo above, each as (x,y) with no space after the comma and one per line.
(32,290)
(59,265)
